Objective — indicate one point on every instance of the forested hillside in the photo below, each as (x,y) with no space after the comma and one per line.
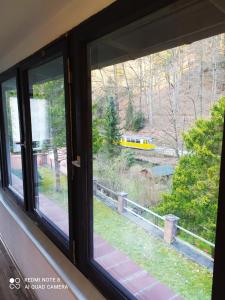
(165,92)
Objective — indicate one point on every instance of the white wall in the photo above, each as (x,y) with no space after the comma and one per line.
(28,25)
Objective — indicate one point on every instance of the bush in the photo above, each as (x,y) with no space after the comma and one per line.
(135,121)
(129,157)
(138,121)
(129,116)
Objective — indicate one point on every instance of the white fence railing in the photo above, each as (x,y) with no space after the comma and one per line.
(165,224)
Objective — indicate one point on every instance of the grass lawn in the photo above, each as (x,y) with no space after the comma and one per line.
(183,276)
(47,187)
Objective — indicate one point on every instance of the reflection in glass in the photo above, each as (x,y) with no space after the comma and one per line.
(13,138)
(47,105)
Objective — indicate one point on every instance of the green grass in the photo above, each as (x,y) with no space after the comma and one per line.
(47,187)
(182,275)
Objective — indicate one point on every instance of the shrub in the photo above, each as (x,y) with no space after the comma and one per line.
(129,157)
(138,121)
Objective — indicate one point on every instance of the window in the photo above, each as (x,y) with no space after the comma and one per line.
(146,201)
(49,149)
(13,141)
(143,220)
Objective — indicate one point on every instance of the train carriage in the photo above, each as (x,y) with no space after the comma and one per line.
(144,143)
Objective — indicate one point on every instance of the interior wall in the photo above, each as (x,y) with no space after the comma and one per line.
(37,257)
(62,20)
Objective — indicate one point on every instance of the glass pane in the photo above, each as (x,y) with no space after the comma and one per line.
(13,138)
(155,202)
(47,104)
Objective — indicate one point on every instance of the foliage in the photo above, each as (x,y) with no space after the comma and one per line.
(53,92)
(135,121)
(112,130)
(129,157)
(129,116)
(138,121)
(194,194)
(97,137)
(123,173)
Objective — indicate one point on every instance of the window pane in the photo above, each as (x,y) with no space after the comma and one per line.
(13,138)
(47,104)
(155,203)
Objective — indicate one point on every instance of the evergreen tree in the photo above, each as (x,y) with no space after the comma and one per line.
(129,116)
(97,123)
(135,121)
(111,126)
(194,195)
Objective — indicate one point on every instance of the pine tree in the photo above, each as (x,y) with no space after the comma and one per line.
(129,116)
(112,130)
(194,194)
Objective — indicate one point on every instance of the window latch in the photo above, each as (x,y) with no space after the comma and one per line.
(21,144)
(76,163)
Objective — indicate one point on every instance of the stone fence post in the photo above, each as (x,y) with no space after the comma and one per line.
(170,228)
(122,202)
(94,186)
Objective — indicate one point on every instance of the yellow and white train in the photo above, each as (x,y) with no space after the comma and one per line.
(144,143)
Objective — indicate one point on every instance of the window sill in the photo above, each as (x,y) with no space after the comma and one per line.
(79,286)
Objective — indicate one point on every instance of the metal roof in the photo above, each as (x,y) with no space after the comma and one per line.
(136,137)
(160,171)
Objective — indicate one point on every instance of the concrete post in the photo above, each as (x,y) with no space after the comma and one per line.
(170,228)
(94,186)
(122,203)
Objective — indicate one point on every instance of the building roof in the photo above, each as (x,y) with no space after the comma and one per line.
(160,171)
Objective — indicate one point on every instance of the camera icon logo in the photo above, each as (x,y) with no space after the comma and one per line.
(14,283)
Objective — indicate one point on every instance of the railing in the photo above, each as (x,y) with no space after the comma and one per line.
(196,236)
(150,217)
(165,224)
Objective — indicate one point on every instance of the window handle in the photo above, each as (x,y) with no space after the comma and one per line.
(76,163)
(21,144)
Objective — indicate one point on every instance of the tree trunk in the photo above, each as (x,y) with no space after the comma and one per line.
(57,170)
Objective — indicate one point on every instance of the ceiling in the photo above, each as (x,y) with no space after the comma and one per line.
(159,31)
(28,25)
